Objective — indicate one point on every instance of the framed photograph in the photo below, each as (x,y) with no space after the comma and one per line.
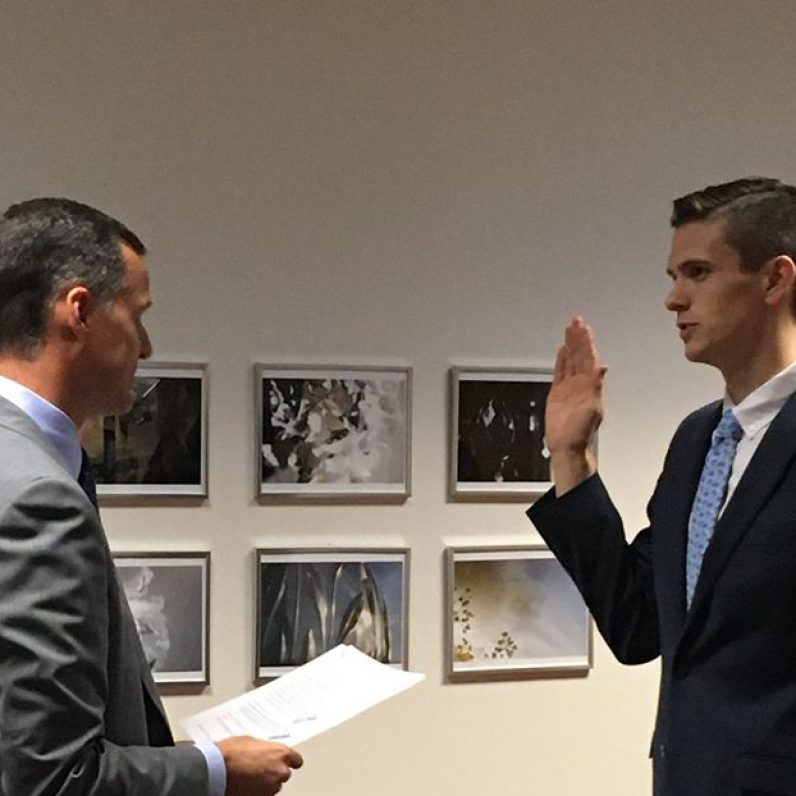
(513,612)
(309,601)
(160,446)
(169,597)
(333,432)
(497,433)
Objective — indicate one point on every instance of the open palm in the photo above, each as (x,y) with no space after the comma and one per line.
(574,405)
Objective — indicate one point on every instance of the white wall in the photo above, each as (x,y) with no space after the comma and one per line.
(429,182)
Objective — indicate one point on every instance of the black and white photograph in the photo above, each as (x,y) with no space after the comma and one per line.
(168,595)
(159,448)
(333,431)
(513,612)
(309,601)
(497,433)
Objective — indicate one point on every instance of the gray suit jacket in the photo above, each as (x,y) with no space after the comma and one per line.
(79,712)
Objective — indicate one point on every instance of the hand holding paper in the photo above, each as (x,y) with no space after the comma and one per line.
(257,767)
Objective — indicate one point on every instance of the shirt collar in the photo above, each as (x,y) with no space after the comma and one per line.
(58,427)
(760,407)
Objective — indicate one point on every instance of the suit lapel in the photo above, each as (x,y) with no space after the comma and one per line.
(147,682)
(761,478)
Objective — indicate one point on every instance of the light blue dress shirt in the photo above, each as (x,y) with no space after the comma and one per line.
(61,431)
(58,427)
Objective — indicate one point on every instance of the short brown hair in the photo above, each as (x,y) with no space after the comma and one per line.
(759,213)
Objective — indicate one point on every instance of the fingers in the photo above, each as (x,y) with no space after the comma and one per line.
(560,370)
(255,766)
(580,354)
(289,755)
(601,371)
(288,759)
(294,759)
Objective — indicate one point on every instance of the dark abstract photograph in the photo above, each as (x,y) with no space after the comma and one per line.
(158,447)
(309,602)
(498,432)
(333,432)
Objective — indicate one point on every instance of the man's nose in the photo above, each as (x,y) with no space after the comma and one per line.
(675,299)
(146,345)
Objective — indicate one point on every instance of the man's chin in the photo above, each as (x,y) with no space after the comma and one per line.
(694,354)
(123,405)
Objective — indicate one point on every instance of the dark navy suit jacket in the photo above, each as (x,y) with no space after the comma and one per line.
(726,722)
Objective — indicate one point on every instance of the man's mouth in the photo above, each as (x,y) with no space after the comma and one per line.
(686,329)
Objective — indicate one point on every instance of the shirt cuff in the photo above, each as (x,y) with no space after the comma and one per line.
(216,769)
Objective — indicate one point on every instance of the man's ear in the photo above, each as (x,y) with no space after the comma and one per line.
(780,280)
(75,307)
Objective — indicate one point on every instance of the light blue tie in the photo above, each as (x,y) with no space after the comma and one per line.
(710,496)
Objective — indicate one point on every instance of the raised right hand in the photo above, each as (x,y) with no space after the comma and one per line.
(257,768)
(574,407)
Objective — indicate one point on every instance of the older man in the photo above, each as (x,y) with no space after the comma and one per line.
(79,713)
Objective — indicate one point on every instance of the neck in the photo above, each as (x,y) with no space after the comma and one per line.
(43,375)
(745,378)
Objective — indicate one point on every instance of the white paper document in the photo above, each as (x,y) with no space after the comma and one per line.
(325,692)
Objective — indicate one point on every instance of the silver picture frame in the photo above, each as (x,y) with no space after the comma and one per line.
(497,449)
(310,600)
(512,612)
(169,598)
(333,432)
(159,447)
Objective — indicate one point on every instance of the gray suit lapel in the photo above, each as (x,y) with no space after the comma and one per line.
(146,674)
(129,626)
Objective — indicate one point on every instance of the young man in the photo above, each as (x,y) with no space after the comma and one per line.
(710,585)
(79,712)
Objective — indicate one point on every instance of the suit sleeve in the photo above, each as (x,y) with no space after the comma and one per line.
(53,661)
(584,531)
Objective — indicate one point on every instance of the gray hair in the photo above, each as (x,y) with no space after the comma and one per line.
(46,246)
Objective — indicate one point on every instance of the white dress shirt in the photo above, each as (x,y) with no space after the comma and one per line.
(754,414)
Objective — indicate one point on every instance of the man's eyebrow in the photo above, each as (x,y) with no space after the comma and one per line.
(673,269)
